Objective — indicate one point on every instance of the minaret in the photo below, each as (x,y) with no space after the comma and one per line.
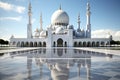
(78,23)
(41,22)
(88,25)
(60,7)
(29,26)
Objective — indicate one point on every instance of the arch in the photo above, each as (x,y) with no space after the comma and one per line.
(65,44)
(75,44)
(39,44)
(97,44)
(88,44)
(44,44)
(31,44)
(80,44)
(26,44)
(54,44)
(22,44)
(93,44)
(59,42)
(84,44)
(14,43)
(102,43)
(18,44)
(107,43)
(35,44)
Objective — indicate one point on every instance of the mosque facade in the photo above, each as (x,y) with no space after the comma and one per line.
(60,33)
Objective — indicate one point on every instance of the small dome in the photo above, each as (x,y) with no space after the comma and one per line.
(12,37)
(60,17)
(43,34)
(49,26)
(36,34)
(59,30)
(70,27)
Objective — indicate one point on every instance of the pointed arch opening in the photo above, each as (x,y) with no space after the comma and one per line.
(59,42)
(65,44)
(31,44)
(44,44)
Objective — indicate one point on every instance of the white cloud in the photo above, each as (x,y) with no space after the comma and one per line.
(33,20)
(20,9)
(11,18)
(117,33)
(11,7)
(104,33)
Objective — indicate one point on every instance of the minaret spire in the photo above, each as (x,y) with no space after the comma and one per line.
(60,7)
(41,22)
(79,21)
(88,25)
(29,12)
(29,26)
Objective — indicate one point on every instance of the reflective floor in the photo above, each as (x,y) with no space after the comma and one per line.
(59,64)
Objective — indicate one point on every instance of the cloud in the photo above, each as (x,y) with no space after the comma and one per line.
(11,7)
(117,34)
(11,18)
(104,33)
(33,20)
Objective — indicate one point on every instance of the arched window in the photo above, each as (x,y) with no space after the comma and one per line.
(14,43)
(35,44)
(18,44)
(22,44)
(54,44)
(59,42)
(102,43)
(31,44)
(80,44)
(84,44)
(44,44)
(93,44)
(88,44)
(65,44)
(75,44)
(26,44)
(97,44)
(39,44)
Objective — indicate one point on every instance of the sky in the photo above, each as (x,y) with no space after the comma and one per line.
(105,16)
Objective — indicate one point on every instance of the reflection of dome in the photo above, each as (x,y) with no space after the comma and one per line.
(60,17)
(59,30)
(12,37)
(60,72)
(60,67)
(43,34)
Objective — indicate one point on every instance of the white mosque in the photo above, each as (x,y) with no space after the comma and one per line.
(60,33)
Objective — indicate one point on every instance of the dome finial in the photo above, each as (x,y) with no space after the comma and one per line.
(60,7)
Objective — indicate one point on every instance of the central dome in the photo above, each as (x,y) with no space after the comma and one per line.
(60,17)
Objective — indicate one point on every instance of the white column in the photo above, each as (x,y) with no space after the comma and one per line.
(88,25)
(29,26)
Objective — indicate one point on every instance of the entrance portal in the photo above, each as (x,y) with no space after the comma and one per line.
(59,42)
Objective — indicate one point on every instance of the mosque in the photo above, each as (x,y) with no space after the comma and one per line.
(60,33)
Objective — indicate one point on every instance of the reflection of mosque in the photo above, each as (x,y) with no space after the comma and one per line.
(60,61)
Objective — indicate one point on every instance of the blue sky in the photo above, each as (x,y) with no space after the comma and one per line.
(105,16)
